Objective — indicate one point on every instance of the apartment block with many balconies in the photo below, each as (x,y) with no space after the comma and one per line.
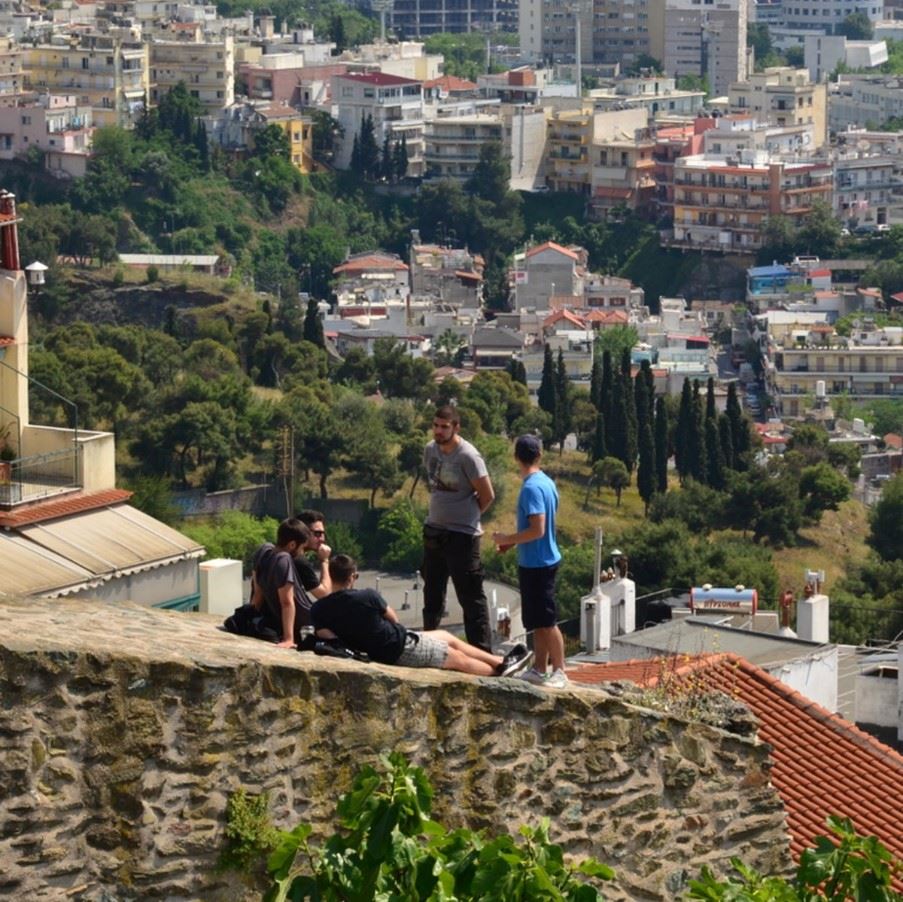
(867,365)
(783,96)
(722,203)
(108,72)
(206,68)
(395,105)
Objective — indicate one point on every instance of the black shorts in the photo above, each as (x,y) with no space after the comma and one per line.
(537,596)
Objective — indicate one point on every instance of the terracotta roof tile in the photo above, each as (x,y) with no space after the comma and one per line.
(61,507)
(365,262)
(381,79)
(551,245)
(823,764)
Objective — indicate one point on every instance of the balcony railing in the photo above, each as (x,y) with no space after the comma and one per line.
(38,476)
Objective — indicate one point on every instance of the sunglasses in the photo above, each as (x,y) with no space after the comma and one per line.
(319,533)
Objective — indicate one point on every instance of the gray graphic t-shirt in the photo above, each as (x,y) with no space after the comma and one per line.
(453,504)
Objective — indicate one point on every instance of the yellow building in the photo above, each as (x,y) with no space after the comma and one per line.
(10,67)
(783,96)
(299,130)
(109,73)
(570,137)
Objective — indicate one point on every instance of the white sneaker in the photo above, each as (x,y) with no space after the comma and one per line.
(557,680)
(533,676)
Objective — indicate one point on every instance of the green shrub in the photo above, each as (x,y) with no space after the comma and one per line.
(152,273)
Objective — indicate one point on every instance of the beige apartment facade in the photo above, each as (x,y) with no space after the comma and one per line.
(106,72)
(207,68)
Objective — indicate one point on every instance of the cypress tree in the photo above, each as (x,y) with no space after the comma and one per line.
(595,384)
(516,370)
(713,456)
(661,445)
(739,428)
(607,389)
(599,448)
(645,475)
(547,395)
(726,441)
(684,428)
(313,325)
(710,410)
(400,157)
(356,155)
(562,400)
(630,408)
(617,425)
(386,169)
(697,457)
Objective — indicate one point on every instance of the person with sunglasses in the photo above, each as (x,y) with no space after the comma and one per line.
(315,580)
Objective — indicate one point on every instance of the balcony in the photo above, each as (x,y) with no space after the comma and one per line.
(38,476)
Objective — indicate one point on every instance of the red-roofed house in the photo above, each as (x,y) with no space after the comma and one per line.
(562,321)
(823,764)
(395,105)
(448,86)
(377,274)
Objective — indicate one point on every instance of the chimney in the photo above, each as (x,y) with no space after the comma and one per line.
(812,611)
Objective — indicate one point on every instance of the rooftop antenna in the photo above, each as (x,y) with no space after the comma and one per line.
(382,7)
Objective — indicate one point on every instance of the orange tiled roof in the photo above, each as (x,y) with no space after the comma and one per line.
(451,83)
(551,245)
(366,262)
(892,440)
(607,316)
(61,507)
(823,764)
(559,315)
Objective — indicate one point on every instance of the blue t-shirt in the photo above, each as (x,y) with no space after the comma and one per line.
(538,495)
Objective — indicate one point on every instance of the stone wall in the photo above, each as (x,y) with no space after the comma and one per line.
(123,730)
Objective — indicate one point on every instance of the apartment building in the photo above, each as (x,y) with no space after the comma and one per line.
(207,68)
(394,103)
(656,94)
(107,72)
(610,31)
(426,17)
(865,188)
(722,203)
(569,166)
(453,143)
(826,16)
(705,39)
(450,276)
(10,67)
(866,365)
(857,100)
(548,271)
(54,124)
(623,174)
(783,96)
(823,54)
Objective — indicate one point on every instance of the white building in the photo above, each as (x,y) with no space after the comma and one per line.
(394,103)
(207,68)
(826,16)
(864,100)
(823,53)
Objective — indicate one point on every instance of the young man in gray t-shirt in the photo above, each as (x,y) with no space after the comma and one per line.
(460,491)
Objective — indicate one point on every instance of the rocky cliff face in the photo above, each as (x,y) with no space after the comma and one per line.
(123,730)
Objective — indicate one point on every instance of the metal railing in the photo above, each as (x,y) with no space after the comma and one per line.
(38,476)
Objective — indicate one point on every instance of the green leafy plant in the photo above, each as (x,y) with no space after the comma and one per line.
(850,867)
(388,847)
(250,835)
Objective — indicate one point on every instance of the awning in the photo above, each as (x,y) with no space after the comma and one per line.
(89,548)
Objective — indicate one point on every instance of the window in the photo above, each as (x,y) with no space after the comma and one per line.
(84,62)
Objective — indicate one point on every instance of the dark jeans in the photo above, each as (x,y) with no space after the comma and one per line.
(456,555)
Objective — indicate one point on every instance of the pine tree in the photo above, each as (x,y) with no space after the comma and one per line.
(725,440)
(645,475)
(313,325)
(599,448)
(696,449)
(547,395)
(713,456)
(661,445)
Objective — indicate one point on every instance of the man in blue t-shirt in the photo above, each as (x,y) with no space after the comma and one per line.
(538,557)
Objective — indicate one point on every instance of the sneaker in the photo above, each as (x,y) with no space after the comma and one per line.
(515,653)
(515,665)
(534,676)
(557,680)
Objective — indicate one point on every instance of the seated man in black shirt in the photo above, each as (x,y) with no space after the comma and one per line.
(361,620)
